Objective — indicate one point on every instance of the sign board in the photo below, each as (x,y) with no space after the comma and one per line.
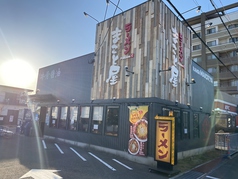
(137,144)
(165,139)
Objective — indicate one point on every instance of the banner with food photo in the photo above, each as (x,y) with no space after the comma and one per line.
(138,118)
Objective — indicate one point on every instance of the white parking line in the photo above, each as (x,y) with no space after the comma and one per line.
(109,166)
(129,168)
(59,149)
(43,142)
(78,154)
(211,177)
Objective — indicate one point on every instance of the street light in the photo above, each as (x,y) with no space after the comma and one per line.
(192,82)
(86,14)
(209,24)
(127,71)
(169,69)
(198,9)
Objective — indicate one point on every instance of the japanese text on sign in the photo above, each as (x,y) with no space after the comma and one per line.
(127,43)
(174,67)
(165,139)
(54,73)
(163,145)
(114,68)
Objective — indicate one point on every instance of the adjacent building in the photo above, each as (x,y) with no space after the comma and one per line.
(12,100)
(219,31)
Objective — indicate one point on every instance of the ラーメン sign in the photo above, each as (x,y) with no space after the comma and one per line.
(165,139)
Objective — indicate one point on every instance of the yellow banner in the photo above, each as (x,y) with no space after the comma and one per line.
(165,139)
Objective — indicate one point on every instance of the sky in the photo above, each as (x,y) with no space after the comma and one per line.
(38,33)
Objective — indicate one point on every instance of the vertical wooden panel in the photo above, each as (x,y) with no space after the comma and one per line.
(151,44)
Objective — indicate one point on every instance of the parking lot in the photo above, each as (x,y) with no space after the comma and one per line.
(24,156)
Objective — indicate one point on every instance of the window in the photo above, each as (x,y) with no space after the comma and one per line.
(211,57)
(235,95)
(166,111)
(234,82)
(197,59)
(211,31)
(178,124)
(63,117)
(223,69)
(224,84)
(234,39)
(233,54)
(212,43)
(195,126)
(185,125)
(215,83)
(212,70)
(234,68)
(197,47)
(54,117)
(231,26)
(72,125)
(112,119)
(195,36)
(47,117)
(97,120)
(84,119)
(11,98)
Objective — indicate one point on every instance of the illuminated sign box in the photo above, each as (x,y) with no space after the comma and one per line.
(165,139)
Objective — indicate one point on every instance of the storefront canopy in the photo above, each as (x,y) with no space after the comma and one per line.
(43,98)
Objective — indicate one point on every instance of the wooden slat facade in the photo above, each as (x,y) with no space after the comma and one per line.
(151,44)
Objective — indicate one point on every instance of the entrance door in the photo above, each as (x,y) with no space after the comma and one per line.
(11,118)
(42,117)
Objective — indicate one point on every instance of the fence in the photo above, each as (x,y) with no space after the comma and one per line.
(227,142)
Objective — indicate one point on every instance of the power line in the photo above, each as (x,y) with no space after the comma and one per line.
(100,45)
(105,12)
(226,16)
(223,23)
(229,20)
(200,38)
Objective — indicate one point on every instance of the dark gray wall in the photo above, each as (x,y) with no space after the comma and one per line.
(205,138)
(68,80)
(203,89)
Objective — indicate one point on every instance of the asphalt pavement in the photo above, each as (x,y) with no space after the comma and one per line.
(22,156)
(224,167)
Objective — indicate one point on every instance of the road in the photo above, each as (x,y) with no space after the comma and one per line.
(223,167)
(33,157)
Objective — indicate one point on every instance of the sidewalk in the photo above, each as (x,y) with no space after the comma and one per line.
(203,169)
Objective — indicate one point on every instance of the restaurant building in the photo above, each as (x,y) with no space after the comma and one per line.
(140,73)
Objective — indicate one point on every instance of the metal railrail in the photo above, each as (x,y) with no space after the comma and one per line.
(227,142)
